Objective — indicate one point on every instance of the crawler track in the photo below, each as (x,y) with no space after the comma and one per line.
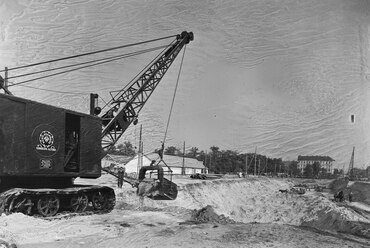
(49,202)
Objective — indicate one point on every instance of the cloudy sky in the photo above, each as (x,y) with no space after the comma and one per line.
(280,75)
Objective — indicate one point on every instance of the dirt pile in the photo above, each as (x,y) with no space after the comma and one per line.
(147,188)
(255,200)
(208,215)
(361,191)
(339,219)
(339,184)
(258,200)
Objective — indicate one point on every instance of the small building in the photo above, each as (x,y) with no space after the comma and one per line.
(114,161)
(191,165)
(324,161)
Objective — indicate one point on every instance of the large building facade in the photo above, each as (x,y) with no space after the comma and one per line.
(324,161)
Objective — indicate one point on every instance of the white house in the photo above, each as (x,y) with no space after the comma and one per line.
(114,161)
(176,163)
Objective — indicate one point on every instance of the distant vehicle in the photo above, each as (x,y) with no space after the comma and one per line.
(298,190)
(205,176)
(283,175)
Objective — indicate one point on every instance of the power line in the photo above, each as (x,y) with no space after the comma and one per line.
(89,53)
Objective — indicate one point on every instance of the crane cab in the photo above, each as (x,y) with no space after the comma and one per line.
(47,143)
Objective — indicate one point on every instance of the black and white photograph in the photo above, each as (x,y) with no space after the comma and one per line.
(198,123)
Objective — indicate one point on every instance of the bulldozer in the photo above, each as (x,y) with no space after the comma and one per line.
(44,148)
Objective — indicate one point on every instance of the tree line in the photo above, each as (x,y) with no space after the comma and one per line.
(228,161)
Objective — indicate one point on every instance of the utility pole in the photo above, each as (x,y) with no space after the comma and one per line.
(255,165)
(205,162)
(210,162)
(246,165)
(140,153)
(350,169)
(266,167)
(288,171)
(183,161)
(259,166)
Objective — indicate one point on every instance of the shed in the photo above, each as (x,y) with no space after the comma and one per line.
(191,165)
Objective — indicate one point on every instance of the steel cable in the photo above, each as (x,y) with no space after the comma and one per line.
(174,95)
(89,53)
(91,61)
(75,69)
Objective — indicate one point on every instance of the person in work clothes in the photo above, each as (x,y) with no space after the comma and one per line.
(121,174)
(350,196)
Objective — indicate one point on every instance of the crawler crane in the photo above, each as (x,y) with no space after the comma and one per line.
(44,148)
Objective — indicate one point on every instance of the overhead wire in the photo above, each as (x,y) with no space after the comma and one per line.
(89,53)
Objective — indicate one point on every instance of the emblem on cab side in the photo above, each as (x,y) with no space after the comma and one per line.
(46,142)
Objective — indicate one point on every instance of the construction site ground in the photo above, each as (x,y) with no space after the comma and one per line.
(225,212)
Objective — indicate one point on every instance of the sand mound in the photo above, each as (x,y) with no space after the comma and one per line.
(207,214)
(147,188)
(221,201)
(340,219)
(258,200)
(21,229)
(339,184)
(361,192)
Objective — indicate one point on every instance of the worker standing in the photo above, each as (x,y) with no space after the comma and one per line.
(350,196)
(121,174)
(2,141)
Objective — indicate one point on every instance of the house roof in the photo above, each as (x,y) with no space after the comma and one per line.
(171,161)
(176,161)
(315,158)
(120,159)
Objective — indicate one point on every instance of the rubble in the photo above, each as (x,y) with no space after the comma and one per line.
(208,215)
(147,188)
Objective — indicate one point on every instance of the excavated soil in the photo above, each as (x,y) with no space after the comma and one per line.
(208,215)
(228,212)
